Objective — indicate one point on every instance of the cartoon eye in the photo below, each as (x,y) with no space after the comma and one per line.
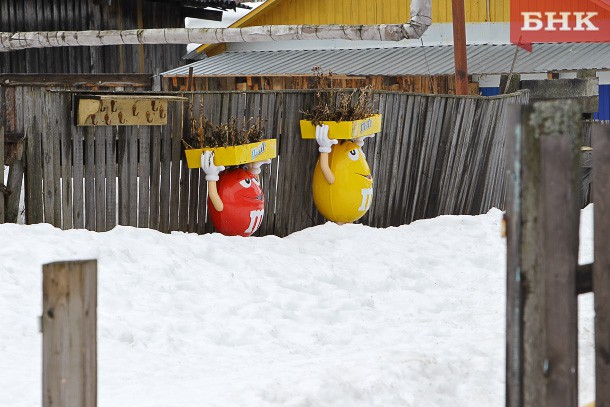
(353,154)
(245,183)
(256,181)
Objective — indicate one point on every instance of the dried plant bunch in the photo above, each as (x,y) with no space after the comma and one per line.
(332,105)
(228,134)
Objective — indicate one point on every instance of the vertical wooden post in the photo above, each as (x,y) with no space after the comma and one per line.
(542,225)
(514,299)
(459,47)
(69,322)
(559,126)
(601,267)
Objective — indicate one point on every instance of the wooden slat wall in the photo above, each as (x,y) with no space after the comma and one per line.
(437,84)
(435,155)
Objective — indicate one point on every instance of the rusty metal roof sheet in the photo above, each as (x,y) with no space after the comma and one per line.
(396,61)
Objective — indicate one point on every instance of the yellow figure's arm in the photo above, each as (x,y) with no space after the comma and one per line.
(325,147)
(326,171)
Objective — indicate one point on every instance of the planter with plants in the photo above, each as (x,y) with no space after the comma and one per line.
(347,115)
(231,145)
(231,158)
(342,184)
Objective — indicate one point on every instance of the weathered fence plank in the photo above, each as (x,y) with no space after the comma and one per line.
(176,154)
(69,324)
(33,132)
(144,177)
(155,175)
(123,174)
(58,122)
(68,131)
(133,136)
(559,128)
(542,223)
(49,159)
(78,139)
(89,163)
(601,266)
(514,287)
(165,167)
(111,176)
(100,179)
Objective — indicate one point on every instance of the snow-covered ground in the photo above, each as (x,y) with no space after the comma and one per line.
(329,316)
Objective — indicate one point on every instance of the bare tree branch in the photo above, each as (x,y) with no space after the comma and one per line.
(421,10)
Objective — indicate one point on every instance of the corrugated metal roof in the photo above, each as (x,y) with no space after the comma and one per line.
(397,61)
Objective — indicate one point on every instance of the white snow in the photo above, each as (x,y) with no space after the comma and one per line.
(329,316)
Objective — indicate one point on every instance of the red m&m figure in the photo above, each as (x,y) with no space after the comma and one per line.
(236,202)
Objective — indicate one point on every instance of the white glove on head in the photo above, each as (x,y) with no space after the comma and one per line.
(322,138)
(207,164)
(255,167)
(359,141)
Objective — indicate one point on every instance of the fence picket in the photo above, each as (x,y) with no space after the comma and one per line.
(89,161)
(100,179)
(78,138)
(144,176)
(601,278)
(111,176)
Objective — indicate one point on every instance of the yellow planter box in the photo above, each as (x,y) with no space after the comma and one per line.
(235,155)
(344,130)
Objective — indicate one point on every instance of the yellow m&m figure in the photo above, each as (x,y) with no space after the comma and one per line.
(342,181)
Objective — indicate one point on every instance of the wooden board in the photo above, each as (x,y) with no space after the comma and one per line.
(69,340)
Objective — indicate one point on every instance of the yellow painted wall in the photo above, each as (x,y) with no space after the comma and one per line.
(373,12)
(288,12)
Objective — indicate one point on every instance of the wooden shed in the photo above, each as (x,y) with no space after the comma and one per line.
(56,15)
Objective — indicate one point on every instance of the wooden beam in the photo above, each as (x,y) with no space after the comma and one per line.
(559,127)
(459,47)
(542,224)
(514,286)
(69,327)
(106,80)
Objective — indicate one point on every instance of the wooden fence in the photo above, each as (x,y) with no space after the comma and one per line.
(435,155)
(543,275)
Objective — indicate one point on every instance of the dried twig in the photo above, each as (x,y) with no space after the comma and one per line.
(351,106)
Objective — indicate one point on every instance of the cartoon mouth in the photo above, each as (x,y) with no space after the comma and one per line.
(368,176)
(255,198)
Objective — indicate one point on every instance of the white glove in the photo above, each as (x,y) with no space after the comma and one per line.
(207,164)
(359,141)
(322,138)
(255,167)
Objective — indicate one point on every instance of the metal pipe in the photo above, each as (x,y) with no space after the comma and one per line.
(421,18)
(459,47)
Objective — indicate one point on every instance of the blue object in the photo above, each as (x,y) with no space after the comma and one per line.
(493,91)
(604,103)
